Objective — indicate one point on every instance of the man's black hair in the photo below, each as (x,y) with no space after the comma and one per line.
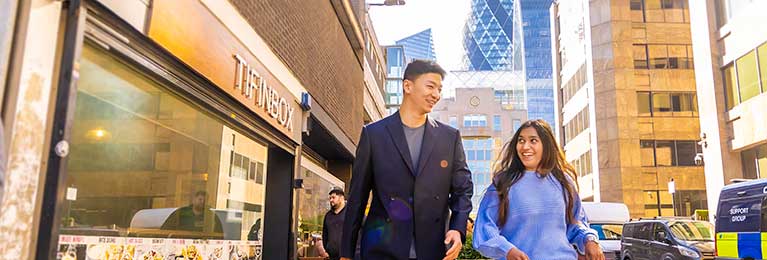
(337,192)
(417,68)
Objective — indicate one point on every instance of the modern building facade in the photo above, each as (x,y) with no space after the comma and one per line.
(418,46)
(375,74)
(485,124)
(206,122)
(511,35)
(536,32)
(731,76)
(627,106)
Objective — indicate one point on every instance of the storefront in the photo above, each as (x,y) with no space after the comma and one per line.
(176,142)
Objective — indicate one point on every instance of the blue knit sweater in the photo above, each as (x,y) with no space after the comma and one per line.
(535,223)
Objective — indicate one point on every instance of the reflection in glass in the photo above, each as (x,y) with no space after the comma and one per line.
(147,164)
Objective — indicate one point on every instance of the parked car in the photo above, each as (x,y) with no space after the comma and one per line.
(741,219)
(667,239)
(607,219)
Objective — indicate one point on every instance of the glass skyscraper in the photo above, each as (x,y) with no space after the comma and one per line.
(511,35)
(418,46)
(537,51)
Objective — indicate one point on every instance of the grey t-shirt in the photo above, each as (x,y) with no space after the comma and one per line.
(414,138)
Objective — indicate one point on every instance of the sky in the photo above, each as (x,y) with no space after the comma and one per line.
(446,18)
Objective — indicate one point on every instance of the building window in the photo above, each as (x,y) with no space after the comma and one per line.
(731,86)
(668,152)
(657,56)
(516,123)
(474,120)
(742,80)
(582,164)
(755,162)
(640,56)
(676,104)
(577,124)
(637,11)
(643,104)
(748,79)
(666,11)
(497,123)
(647,152)
(763,66)
(453,121)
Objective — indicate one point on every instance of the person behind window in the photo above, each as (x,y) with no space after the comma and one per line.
(333,225)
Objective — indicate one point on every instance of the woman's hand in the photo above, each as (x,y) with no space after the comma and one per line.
(516,254)
(594,251)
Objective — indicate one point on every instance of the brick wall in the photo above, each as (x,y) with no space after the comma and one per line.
(310,40)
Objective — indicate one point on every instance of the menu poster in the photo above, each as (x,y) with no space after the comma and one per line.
(218,250)
(71,252)
(245,251)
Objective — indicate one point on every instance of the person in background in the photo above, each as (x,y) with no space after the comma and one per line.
(333,225)
(532,209)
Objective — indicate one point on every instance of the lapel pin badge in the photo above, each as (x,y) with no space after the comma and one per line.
(443,163)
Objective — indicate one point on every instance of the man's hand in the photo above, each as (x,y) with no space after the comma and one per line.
(594,251)
(453,237)
(516,254)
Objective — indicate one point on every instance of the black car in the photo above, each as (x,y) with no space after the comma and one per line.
(666,239)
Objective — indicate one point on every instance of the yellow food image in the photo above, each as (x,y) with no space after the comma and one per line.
(190,252)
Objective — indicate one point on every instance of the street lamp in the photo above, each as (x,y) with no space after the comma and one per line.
(389,3)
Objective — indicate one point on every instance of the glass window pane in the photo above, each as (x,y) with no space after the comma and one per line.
(471,155)
(677,56)
(686,153)
(665,154)
(731,87)
(647,152)
(160,157)
(747,76)
(653,11)
(763,66)
(658,55)
(643,104)
(661,102)
(640,56)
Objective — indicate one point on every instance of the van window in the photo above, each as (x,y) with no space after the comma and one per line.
(739,215)
(644,231)
(608,231)
(763,214)
(656,233)
(627,229)
(692,230)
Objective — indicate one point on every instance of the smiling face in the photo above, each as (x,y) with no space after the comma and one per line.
(530,148)
(424,92)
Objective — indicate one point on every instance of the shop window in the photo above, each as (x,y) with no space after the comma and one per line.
(145,163)
(312,206)
(748,80)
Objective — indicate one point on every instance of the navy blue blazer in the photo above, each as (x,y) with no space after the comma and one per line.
(408,200)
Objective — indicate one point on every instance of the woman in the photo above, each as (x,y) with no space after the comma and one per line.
(522,215)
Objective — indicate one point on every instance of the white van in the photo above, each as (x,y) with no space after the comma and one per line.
(607,219)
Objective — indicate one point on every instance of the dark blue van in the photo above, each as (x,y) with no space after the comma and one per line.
(741,221)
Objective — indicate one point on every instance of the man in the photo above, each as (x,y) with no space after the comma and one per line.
(192,217)
(333,225)
(415,168)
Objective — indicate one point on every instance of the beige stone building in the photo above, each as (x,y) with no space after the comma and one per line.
(486,124)
(627,107)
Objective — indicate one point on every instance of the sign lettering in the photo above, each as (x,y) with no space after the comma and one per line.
(253,85)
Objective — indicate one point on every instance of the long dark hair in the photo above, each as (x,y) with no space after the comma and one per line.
(510,169)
